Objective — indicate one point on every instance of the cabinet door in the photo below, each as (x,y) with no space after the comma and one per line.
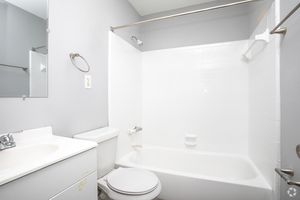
(85,189)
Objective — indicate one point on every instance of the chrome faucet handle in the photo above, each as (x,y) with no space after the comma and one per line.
(11,138)
(135,130)
(5,138)
(7,141)
(286,175)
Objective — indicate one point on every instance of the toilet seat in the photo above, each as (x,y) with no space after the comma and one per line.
(126,184)
(128,181)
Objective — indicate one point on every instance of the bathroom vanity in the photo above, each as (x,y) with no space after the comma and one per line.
(41,166)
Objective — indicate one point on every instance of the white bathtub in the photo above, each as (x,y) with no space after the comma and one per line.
(193,175)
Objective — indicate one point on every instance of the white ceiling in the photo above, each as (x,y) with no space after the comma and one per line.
(147,7)
(36,7)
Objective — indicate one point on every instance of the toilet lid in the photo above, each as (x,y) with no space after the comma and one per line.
(132,181)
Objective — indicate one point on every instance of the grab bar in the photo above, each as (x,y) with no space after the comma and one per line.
(286,175)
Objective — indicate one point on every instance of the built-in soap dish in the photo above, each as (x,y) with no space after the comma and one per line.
(190,140)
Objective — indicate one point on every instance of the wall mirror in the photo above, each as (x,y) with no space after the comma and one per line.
(23,48)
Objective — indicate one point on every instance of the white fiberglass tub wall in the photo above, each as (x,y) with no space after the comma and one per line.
(200,90)
(125,89)
(264,99)
(192,175)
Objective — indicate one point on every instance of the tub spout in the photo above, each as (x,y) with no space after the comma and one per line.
(135,130)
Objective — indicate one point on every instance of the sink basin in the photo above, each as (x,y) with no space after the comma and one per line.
(19,156)
(35,150)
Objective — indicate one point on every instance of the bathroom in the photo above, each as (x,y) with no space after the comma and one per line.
(148,99)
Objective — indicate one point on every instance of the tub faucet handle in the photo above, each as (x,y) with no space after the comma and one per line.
(135,130)
(7,141)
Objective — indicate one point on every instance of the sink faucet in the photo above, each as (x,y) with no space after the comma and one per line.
(7,141)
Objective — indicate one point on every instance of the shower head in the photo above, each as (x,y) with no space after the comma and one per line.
(137,41)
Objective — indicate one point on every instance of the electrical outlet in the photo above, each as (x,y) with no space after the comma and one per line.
(87,81)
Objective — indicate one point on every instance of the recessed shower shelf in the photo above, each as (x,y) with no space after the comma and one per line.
(190,140)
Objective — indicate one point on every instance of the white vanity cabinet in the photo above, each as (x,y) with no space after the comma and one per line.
(82,190)
(74,178)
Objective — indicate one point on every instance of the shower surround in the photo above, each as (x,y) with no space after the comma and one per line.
(208,92)
(198,90)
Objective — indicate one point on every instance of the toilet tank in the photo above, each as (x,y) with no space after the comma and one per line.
(107,139)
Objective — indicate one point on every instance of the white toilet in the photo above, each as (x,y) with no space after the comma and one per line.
(121,183)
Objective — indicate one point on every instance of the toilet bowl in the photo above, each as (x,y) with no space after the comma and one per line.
(121,183)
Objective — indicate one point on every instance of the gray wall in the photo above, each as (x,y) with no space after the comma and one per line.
(75,26)
(3,30)
(223,25)
(290,93)
(227,24)
(21,32)
(257,12)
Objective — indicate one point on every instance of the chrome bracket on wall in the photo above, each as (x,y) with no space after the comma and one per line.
(281,30)
(286,175)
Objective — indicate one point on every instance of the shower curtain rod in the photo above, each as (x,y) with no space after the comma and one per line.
(183,14)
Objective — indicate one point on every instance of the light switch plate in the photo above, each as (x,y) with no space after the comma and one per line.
(88,81)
